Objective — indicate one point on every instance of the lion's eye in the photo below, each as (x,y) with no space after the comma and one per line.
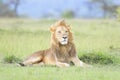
(59,31)
(66,31)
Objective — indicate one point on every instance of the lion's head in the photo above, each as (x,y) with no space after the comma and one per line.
(61,33)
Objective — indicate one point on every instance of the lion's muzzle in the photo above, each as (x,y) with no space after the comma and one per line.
(64,40)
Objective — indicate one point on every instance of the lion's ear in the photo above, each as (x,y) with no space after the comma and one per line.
(52,28)
(61,22)
(69,27)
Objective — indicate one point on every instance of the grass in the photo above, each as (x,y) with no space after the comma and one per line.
(54,73)
(97,41)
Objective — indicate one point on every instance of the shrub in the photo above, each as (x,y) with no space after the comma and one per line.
(11,59)
(118,13)
(97,58)
(68,14)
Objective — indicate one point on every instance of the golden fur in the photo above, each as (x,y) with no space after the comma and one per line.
(62,50)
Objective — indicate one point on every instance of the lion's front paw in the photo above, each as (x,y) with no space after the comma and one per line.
(66,65)
(60,64)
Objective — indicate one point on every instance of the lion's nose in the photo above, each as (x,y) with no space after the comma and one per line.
(64,37)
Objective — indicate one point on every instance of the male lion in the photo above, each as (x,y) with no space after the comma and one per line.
(61,52)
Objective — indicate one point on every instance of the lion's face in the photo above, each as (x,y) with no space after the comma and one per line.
(61,33)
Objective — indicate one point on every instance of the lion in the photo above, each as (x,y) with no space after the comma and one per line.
(61,52)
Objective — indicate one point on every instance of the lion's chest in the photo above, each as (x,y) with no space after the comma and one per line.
(63,54)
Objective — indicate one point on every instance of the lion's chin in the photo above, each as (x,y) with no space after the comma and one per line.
(64,43)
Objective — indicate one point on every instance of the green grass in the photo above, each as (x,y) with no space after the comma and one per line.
(54,73)
(96,41)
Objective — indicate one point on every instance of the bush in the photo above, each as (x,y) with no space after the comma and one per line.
(68,14)
(11,59)
(118,13)
(97,58)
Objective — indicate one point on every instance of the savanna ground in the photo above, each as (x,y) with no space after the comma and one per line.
(97,43)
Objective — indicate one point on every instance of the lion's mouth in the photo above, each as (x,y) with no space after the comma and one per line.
(64,42)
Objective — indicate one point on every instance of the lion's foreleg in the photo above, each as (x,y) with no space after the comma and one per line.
(78,62)
(61,64)
(52,60)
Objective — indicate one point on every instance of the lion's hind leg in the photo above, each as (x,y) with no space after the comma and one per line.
(31,60)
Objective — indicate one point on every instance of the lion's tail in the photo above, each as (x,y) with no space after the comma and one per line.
(21,64)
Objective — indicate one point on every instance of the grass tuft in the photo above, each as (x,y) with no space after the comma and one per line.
(11,59)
